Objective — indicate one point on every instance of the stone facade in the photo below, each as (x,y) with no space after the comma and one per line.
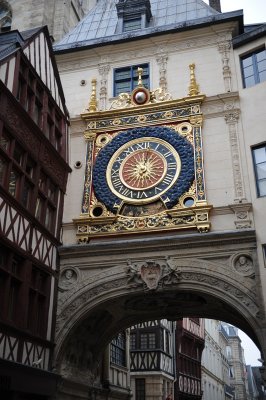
(209,263)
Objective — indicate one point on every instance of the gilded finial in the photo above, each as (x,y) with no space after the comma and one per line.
(193,87)
(93,102)
(140,72)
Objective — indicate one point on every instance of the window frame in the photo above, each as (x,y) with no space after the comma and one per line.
(256,73)
(133,77)
(257,179)
(118,350)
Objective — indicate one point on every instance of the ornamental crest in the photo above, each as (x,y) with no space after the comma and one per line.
(151,274)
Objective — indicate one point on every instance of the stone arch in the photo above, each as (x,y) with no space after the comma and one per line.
(106,302)
(5,15)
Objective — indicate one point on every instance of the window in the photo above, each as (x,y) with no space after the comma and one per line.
(126,79)
(16,170)
(38,301)
(132,24)
(140,389)
(259,158)
(118,350)
(254,68)
(45,206)
(133,341)
(147,341)
(231,372)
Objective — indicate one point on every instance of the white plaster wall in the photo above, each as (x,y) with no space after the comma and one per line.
(203,47)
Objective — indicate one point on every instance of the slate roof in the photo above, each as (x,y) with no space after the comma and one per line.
(100,25)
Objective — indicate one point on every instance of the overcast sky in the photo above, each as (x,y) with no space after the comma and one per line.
(254,10)
(251,351)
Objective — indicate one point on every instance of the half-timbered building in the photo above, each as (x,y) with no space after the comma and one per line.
(33,175)
(152,369)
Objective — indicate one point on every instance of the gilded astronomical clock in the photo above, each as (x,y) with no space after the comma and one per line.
(144,169)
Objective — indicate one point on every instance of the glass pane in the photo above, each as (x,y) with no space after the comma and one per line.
(262,66)
(42,181)
(247,61)
(37,113)
(2,170)
(262,187)
(261,171)
(13,180)
(25,197)
(48,218)
(248,71)
(13,299)
(52,192)
(18,154)
(262,76)
(145,68)
(143,341)
(132,24)
(260,155)
(249,81)
(122,74)
(122,87)
(30,167)
(261,55)
(38,208)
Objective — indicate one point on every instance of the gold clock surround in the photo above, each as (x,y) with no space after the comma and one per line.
(147,214)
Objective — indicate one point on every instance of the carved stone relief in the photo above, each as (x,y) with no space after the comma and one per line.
(103,71)
(243,264)
(68,278)
(162,62)
(231,118)
(224,49)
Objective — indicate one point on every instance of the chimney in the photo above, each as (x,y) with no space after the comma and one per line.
(216,4)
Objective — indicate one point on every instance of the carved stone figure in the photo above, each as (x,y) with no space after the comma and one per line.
(67,279)
(244,265)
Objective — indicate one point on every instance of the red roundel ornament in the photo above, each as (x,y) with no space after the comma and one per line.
(140,95)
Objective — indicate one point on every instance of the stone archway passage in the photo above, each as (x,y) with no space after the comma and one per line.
(115,285)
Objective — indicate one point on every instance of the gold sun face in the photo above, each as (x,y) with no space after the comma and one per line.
(143,169)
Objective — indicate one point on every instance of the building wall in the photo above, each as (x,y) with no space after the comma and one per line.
(60,16)
(212,373)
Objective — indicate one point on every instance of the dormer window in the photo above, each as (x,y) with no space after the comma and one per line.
(133,15)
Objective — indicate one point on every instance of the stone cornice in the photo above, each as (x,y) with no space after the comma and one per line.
(166,242)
